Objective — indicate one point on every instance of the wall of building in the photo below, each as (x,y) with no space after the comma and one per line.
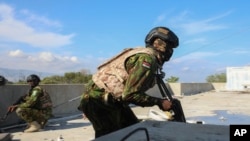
(66,98)
(238,78)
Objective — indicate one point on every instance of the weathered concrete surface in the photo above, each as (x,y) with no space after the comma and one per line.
(204,104)
(74,129)
(5,137)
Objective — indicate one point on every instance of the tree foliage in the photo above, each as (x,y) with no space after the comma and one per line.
(68,78)
(221,77)
(172,79)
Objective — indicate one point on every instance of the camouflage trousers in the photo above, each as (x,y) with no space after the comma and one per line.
(30,114)
(107,118)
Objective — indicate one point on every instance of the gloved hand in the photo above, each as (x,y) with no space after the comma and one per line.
(166,105)
(162,74)
(12,108)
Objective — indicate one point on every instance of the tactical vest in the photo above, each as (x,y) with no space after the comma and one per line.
(45,99)
(112,74)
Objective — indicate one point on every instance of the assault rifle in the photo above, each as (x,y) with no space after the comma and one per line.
(176,108)
(19,100)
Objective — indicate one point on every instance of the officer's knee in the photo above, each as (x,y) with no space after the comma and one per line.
(18,110)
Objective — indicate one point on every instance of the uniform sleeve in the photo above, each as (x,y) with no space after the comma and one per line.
(141,69)
(32,99)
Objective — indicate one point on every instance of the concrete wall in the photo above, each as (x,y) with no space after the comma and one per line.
(181,89)
(63,96)
(219,86)
(194,88)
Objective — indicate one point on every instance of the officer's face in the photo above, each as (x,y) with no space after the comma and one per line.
(31,83)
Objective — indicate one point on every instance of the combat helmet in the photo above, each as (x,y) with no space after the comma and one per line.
(2,80)
(166,35)
(33,78)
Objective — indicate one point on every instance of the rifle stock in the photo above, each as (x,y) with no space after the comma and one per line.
(178,113)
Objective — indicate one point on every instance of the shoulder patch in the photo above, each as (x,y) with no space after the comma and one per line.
(146,64)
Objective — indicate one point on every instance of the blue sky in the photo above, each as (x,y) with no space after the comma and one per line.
(59,36)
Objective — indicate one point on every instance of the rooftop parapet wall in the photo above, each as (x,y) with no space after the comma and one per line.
(66,97)
(185,89)
(194,88)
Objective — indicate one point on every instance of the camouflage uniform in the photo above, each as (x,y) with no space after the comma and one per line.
(2,80)
(36,106)
(112,113)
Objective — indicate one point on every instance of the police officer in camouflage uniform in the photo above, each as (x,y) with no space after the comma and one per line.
(35,107)
(2,80)
(124,79)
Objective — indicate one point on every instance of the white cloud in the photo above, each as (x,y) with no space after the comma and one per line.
(31,18)
(16,30)
(51,58)
(194,56)
(199,26)
(199,55)
(16,53)
(196,41)
(28,28)
(160,18)
(73,59)
(44,61)
(46,56)
(185,68)
(241,51)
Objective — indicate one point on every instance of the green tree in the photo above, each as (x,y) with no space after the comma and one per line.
(56,79)
(21,82)
(221,77)
(68,78)
(172,79)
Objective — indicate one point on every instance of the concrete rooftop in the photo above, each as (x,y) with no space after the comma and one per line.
(217,109)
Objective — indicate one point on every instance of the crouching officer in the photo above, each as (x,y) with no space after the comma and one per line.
(35,107)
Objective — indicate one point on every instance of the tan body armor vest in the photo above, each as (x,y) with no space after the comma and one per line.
(112,74)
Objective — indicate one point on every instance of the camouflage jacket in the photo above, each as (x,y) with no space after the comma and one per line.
(130,76)
(37,98)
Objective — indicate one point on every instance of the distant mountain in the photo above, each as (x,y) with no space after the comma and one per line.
(21,74)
